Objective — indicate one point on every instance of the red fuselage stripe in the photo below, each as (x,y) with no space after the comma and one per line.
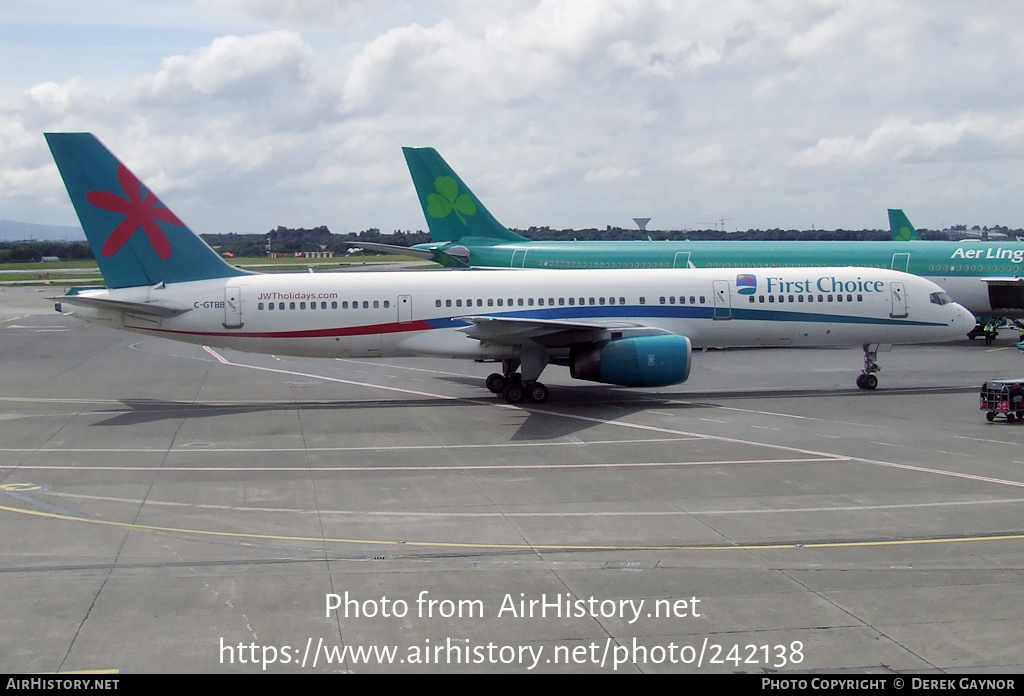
(310,333)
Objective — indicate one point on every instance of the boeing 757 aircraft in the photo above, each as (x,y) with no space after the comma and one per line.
(635,328)
(985,277)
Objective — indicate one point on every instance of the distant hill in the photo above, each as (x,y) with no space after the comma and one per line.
(12,231)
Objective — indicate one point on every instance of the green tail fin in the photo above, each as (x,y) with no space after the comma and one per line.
(452,211)
(899,225)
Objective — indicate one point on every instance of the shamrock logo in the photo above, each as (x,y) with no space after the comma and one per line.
(447,200)
(904,234)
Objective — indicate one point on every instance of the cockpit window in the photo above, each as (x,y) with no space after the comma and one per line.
(940,298)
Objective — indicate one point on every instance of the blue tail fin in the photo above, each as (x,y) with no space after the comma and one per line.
(135,238)
(900,227)
(452,211)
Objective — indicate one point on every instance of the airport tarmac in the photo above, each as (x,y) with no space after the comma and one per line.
(168,508)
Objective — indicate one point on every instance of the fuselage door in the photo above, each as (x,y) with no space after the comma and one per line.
(899,300)
(404,309)
(681,260)
(901,262)
(232,308)
(519,258)
(723,303)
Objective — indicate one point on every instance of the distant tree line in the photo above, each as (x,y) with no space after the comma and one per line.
(287,240)
(23,252)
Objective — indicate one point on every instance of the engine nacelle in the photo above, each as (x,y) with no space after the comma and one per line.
(642,361)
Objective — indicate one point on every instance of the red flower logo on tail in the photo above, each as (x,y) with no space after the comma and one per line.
(139,212)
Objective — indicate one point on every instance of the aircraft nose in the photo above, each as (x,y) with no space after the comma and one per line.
(964,320)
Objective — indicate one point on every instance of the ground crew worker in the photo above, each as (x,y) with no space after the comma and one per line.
(989,331)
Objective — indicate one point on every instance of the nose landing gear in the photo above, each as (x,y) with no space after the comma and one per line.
(867,379)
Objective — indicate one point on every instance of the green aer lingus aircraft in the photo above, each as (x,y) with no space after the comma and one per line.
(985,277)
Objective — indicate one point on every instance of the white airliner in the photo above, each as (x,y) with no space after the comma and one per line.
(635,328)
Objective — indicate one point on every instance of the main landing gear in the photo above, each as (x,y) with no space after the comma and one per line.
(866,379)
(511,385)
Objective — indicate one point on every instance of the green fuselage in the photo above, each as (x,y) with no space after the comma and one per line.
(956,266)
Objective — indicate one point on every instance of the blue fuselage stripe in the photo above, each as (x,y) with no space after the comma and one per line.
(669,312)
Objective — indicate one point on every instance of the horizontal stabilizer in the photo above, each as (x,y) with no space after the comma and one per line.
(138,308)
(436,255)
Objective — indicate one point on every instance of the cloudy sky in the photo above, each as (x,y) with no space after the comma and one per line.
(243,115)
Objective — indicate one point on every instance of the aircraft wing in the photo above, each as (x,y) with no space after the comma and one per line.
(146,309)
(549,333)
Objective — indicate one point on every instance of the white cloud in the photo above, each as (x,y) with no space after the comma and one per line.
(559,112)
(232,67)
(301,12)
(610,175)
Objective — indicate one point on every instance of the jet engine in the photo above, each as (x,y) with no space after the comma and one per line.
(641,361)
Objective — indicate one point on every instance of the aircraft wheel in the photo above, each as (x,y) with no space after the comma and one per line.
(860,381)
(990,416)
(1010,418)
(513,392)
(495,383)
(870,382)
(1020,415)
(537,392)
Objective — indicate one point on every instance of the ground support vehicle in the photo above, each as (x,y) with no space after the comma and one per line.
(1003,397)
